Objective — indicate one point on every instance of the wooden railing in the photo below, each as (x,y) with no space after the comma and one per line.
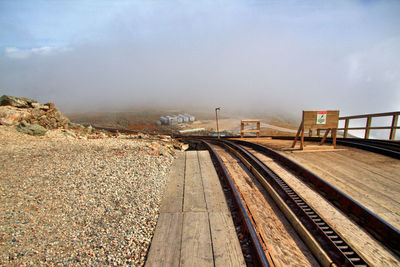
(242,130)
(368,127)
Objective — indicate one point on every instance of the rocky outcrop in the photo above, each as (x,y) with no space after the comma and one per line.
(19,102)
(32,129)
(10,115)
(14,110)
(49,118)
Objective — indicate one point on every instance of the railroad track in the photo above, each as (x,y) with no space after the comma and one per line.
(324,239)
(376,226)
(384,147)
(327,244)
(258,254)
(388,148)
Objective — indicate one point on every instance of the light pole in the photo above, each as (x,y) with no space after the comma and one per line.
(216,118)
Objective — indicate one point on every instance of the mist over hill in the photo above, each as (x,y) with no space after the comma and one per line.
(245,56)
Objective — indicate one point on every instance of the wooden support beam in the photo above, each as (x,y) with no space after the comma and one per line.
(346,128)
(334,134)
(325,136)
(367,127)
(394,125)
(297,135)
(250,121)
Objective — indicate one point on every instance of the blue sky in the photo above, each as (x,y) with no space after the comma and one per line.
(37,23)
(288,55)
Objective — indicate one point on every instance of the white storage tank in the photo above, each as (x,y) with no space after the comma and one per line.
(172,120)
(185,118)
(163,120)
(181,118)
(191,118)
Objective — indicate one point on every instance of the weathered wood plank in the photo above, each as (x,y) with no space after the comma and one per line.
(196,247)
(166,244)
(279,238)
(193,192)
(361,241)
(173,197)
(214,194)
(227,251)
(226,247)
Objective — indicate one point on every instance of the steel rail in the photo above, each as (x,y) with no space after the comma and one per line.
(377,148)
(389,143)
(115,130)
(257,247)
(380,229)
(333,244)
(383,147)
(392,146)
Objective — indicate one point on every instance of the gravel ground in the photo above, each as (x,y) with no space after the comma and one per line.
(73,201)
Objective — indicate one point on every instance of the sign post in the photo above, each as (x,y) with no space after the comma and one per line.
(318,120)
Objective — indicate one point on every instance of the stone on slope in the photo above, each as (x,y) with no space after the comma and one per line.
(32,129)
(38,106)
(19,102)
(12,116)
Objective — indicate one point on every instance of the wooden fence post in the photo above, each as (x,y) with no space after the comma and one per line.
(346,127)
(393,129)
(367,127)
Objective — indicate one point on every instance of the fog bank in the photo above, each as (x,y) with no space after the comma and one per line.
(241,55)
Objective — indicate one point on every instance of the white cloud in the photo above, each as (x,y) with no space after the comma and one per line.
(14,52)
(380,61)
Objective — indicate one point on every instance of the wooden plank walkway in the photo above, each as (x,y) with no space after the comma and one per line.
(195,227)
(371,179)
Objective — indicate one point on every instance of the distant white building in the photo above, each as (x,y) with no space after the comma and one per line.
(179,118)
(176,119)
(163,120)
(172,120)
(183,118)
(191,118)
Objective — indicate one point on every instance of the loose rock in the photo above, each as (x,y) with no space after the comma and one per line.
(70,201)
(32,129)
(19,102)
(14,110)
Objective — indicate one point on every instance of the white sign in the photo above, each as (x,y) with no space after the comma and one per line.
(321,117)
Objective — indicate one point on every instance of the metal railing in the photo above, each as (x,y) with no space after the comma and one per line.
(368,127)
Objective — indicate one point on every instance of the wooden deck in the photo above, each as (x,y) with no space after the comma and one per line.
(195,227)
(371,179)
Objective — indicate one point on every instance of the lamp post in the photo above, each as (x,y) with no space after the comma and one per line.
(216,118)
